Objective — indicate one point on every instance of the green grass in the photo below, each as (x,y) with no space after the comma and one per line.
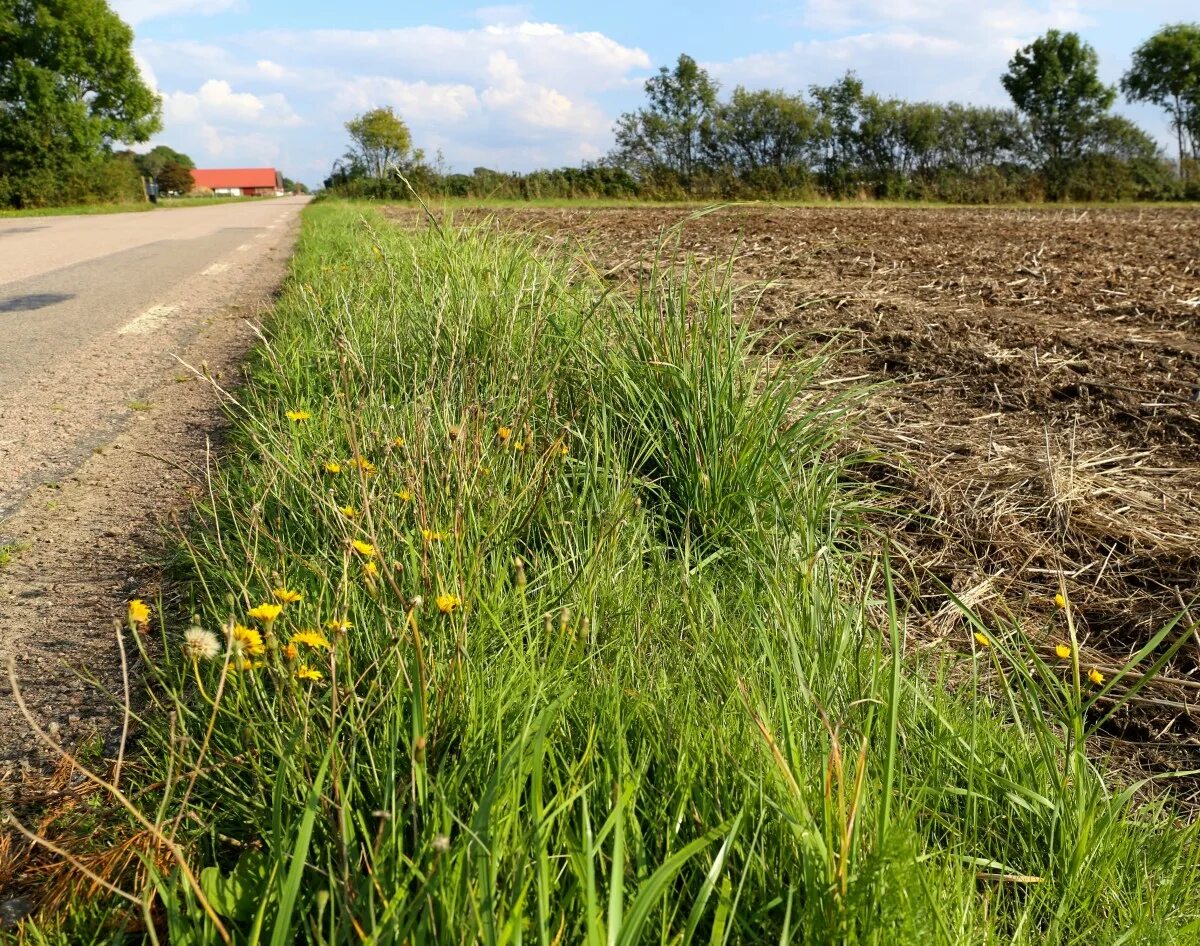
(77,209)
(165,203)
(450,204)
(618,677)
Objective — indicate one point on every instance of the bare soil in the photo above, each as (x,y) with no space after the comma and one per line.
(1034,405)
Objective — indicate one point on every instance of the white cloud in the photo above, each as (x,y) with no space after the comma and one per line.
(216,103)
(417,102)
(139,11)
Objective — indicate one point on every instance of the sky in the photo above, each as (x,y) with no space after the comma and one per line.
(540,84)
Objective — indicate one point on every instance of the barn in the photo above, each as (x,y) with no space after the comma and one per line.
(240,182)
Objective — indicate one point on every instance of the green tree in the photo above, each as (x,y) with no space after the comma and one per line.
(153,162)
(675,131)
(381,143)
(69,86)
(1166,73)
(839,110)
(1054,82)
(765,128)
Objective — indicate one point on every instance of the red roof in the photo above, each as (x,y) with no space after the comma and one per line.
(236,177)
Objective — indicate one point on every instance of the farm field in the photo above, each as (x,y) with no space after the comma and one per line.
(1034,405)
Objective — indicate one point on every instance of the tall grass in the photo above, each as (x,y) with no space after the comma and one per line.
(610,671)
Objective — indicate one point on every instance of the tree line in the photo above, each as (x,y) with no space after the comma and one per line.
(1059,140)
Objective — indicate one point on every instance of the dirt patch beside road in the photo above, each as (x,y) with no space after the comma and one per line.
(1038,413)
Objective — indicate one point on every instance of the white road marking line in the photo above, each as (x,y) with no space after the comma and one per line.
(272,226)
(215,268)
(244,247)
(259,236)
(148,321)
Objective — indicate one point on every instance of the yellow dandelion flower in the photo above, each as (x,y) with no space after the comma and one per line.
(1060,602)
(561,450)
(982,640)
(305,672)
(519,446)
(430,536)
(265,612)
(338,626)
(247,665)
(246,640)
(348,511)
(1095,676)
(398,442)
(404,495)
(296,416)
(364,464)
(364,548)
(333,467)
(290,652)
(503,434)
(1063,651)
(447,603)
(370,569)
(286,595)
(139,611)
(311,639)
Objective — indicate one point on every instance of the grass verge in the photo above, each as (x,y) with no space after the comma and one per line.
(529,611)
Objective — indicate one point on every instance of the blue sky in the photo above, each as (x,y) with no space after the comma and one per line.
(518,86)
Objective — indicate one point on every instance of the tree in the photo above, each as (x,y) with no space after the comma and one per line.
(765,129)
(1166,73)
(381,143)
(1054,82)
(675,131)
(153,162)
(839,109)
(69,85)
(175,178)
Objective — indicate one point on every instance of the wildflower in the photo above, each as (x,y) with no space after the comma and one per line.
(305,672)
(265,612)
(519,446)
(398,441)
(200,644)
(296,416)
(982,640)
(333,467)
(1095,676)
(447,603)
(1060,602)
(455,431)
(246,640)
(311,639)
(404,495)
(348,511)
(139,611)
(430,536)
(503,434)
(560,449)
(364,464)
(1063,651)
(248,665)
(364,548)
(338,626)
(370,569)
(286,595)
(290,652)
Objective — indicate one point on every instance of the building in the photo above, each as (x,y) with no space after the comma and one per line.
(240,182)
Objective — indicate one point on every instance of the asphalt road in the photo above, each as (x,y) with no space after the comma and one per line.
(92,310)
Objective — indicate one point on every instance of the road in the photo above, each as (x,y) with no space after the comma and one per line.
(111,329)
(92,309)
